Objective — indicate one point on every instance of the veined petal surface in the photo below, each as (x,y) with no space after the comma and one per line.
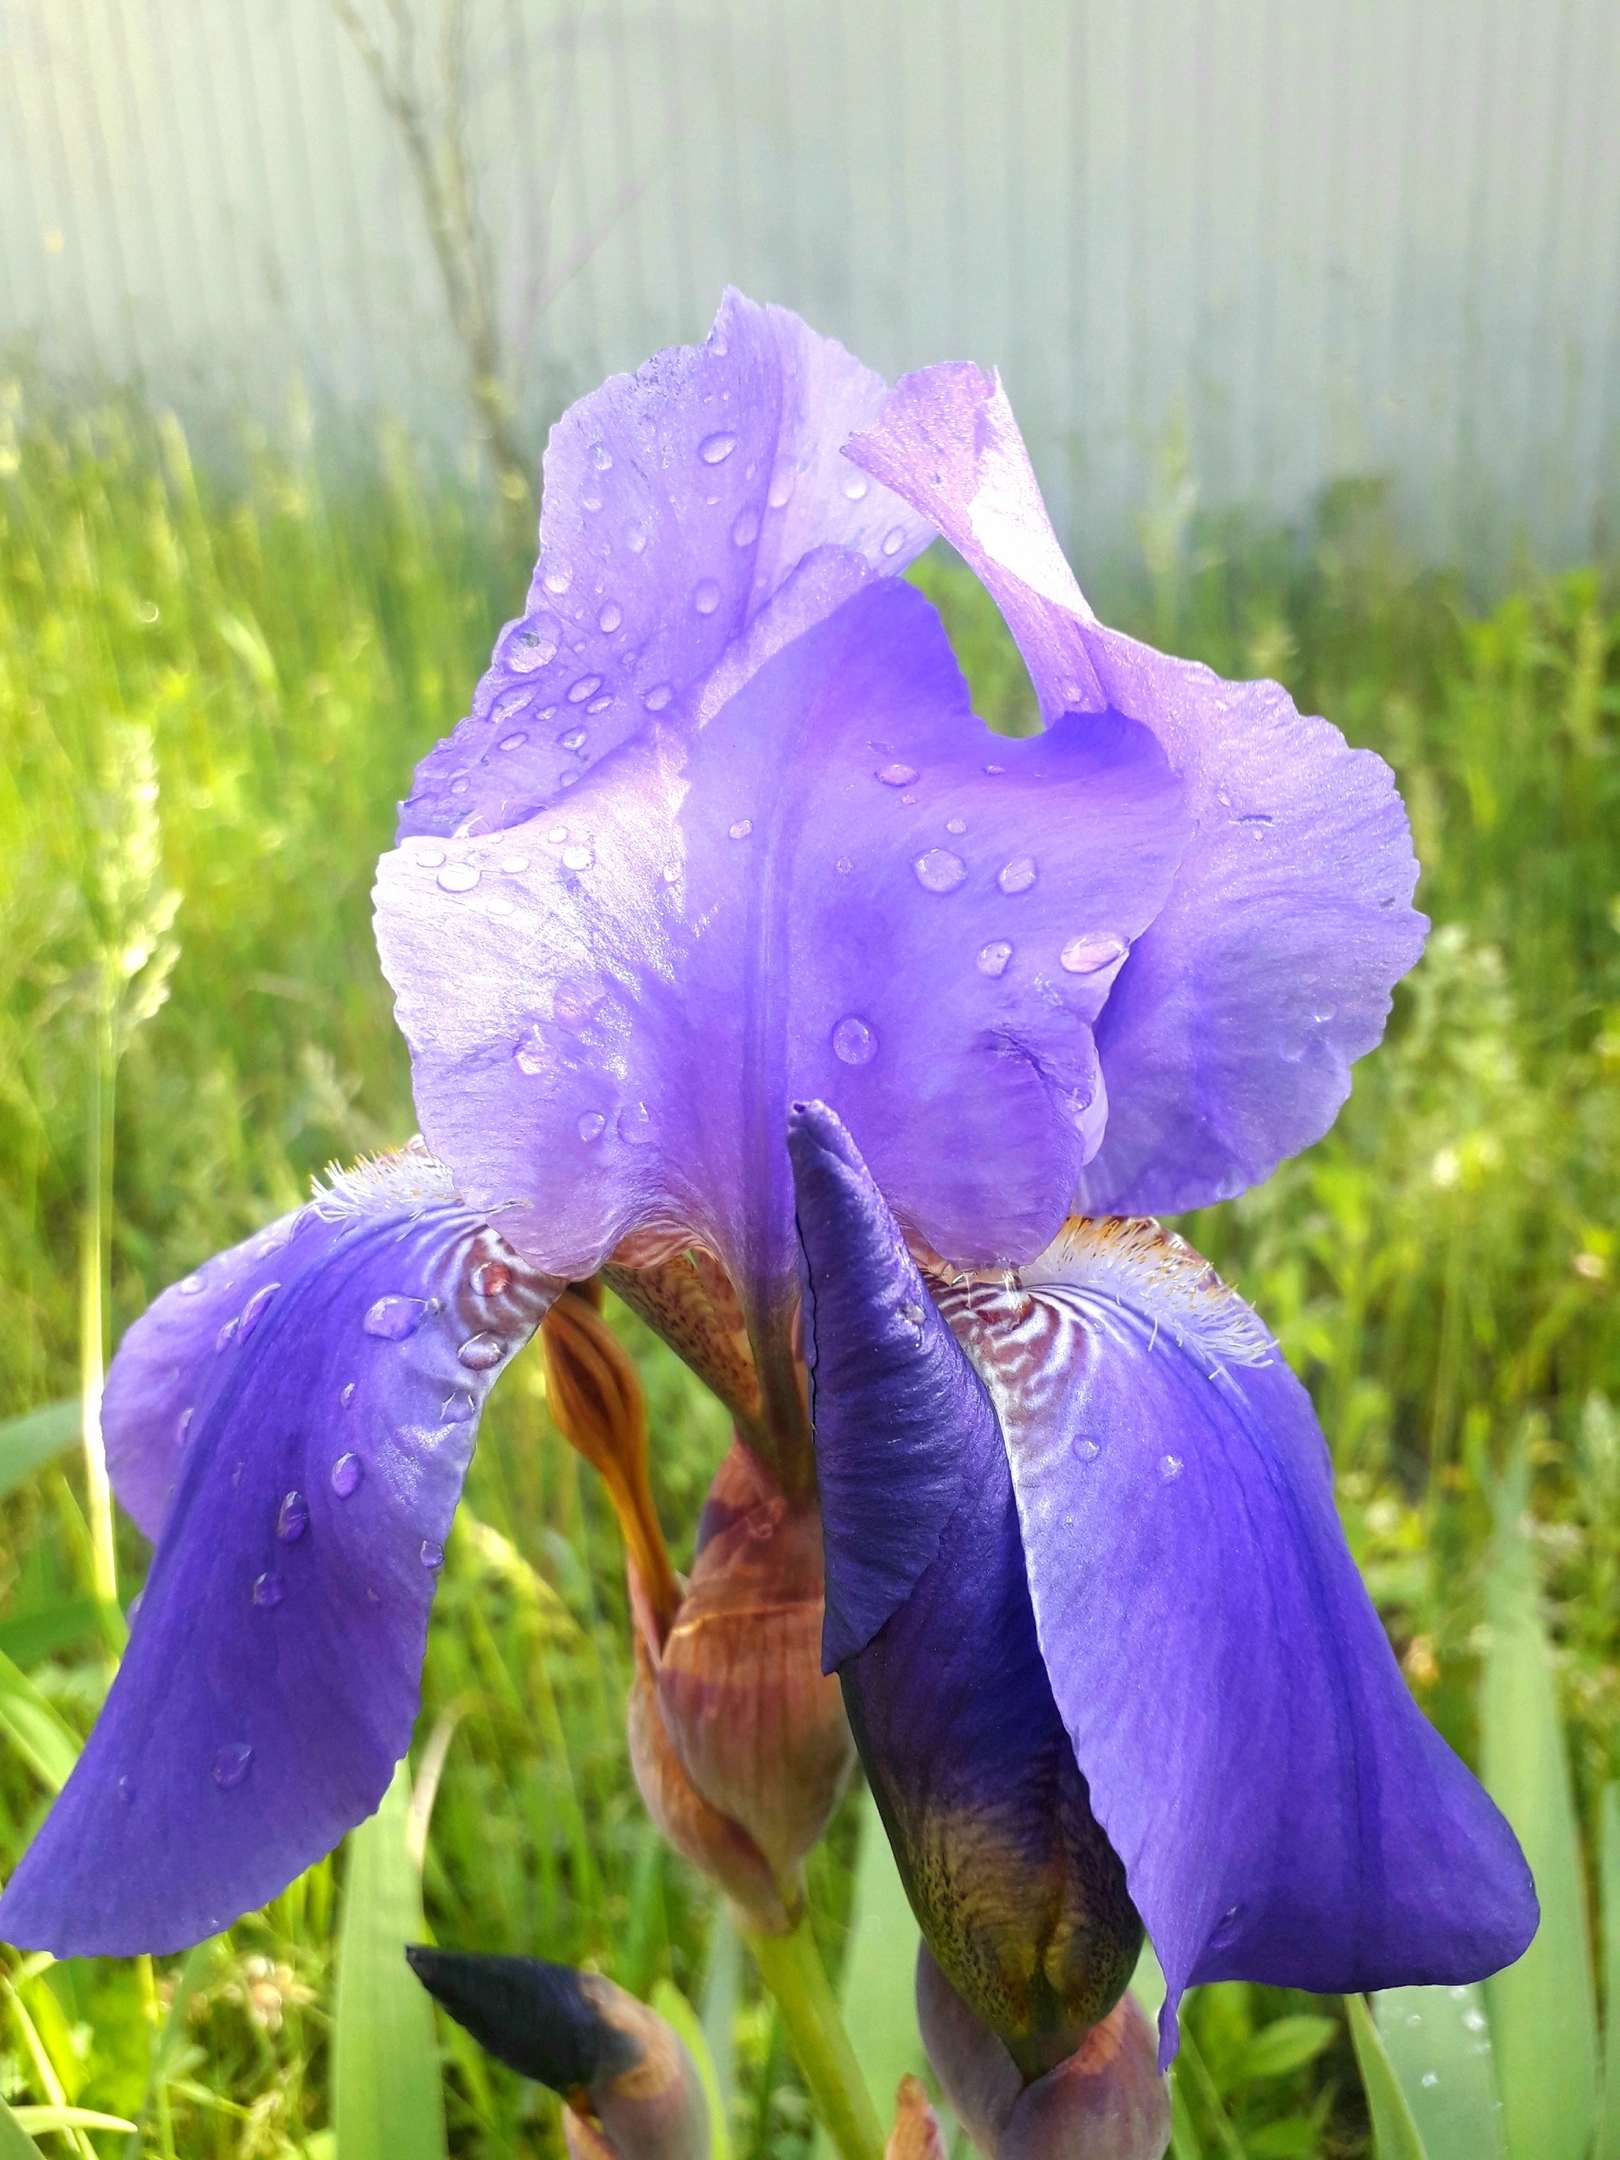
(1228,1038)
(678,502)
(300,1459)
(841,885)
(1284,1811)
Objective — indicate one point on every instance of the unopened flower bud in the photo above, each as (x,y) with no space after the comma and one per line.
(1106,2101)
(631,2090)
(916,2133)
(739,1741)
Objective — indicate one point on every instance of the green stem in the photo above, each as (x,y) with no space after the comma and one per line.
(791,1968)
(92,1309)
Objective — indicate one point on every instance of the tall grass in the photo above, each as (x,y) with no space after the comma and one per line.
(271,658)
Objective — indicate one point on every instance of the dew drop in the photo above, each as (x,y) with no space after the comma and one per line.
(192,1286)
(226,1335)
(573,740)
(853,1041)
(578,855)
(591,501)
(1292,1053)
(183,1426)
(587,686)
(346,1396)
(635,539)
(504,707)
(610,618)
(602,458)
(843,866)
(1018,875)
(531,1055)
(459,1410)
(559,578)
(856,485)
(913,1314)
(939,871)
(706,596)
(1086,1450)
(783,481)
(1474,2021)
(995,768)
(231,1764)
(432,1554)
(514,865)
(557,835)
(993,957)
(672,873)
(125,1790)
(956,825)
(745,531)
(658,696)
(513,742)
(743,827)
(896,775)
(1170,1468)
(1090,955)
(347,1472)
(254,1310)
(459,787)
(1323,1014)
(292,1518)
(491,1278)
(599,704)
(635,1124)
(592,1125)
(267,1588)
(530,649)
(457,877)
(395,1319)
(715,449)
(1429,2080)
(479,1352)
(894,540)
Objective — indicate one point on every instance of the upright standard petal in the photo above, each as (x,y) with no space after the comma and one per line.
(1228,1038)
(294,1424)
(679,502)
(842,885)
(1284,1811)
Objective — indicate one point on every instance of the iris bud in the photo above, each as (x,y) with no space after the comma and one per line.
(739,1742)
(916,2133)
(1105,2101)
(630,2089)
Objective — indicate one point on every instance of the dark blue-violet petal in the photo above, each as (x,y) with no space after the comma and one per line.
(1228,1038)
(678,503)
(315,1440)
(930,1625)
(840,886)
(1284,1811)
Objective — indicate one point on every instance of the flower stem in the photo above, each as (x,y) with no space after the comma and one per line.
(92,1309)
(791,1968)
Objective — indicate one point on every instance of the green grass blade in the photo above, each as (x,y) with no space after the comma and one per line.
(32,1725)
(721,1984)
(28,1441)
(388,2099)
(1395,2134)
(673,2007)
(1608,2137)
(878,1988)
(1542,2013)
(1438,2041)
(28,1638)
(15,2143)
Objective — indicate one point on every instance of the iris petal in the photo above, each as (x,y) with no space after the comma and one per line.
(1229,1035)
(678,503)
(301,1458)
(1284,1810)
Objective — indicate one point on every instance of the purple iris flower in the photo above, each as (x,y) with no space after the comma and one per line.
(721,835)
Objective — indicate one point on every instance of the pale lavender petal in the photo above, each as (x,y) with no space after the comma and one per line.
(841,886)
(1284,1811)
(678,502)
(1228,1039)
(315,1440)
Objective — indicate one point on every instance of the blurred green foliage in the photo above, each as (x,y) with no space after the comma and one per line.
(1442,1268)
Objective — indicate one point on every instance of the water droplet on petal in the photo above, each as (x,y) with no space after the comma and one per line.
(1090,955)
(843,866)
(192,1286)
(347,1472)
(658,696)
(587,686)
(784,479)
(995,768)
(610,618)
(743,827)
(1086,1450)
(292,1518)
(913,1314)
(396,1318)
(514,865)
(635,1124)
(530,648)
(347,1395)
(267,1588)
(514,741)
(939,871)
(573,740)
(602,458)
(532,1055)
(432,1554)
(896,775)
(635,539)
(491,1278)
(253,1311)
(183,1426)
(578,855)
(745,531)
(559,578)
(715,449)
(894,540)
(1018,875)
(956,825)
(231,1764)
(592,1125)
(706,596)
(226,1335)
(1323,1014)
(853,1041)
(1170,1468)
(479,1352)
(125,1790)
(993,957)
(459,1410)
(457,877)
(856,485)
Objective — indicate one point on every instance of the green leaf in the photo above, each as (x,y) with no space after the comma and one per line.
(1296,2139)
(1286,2044)
(1542,2013)
(1395,2134)
(673,2007)
(1608,2137)
(29,1638)
(15,2143)
(1438,2041)
(33,1438)
(877,1992)
(30,2119)
(388,2099)
(44,1740)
